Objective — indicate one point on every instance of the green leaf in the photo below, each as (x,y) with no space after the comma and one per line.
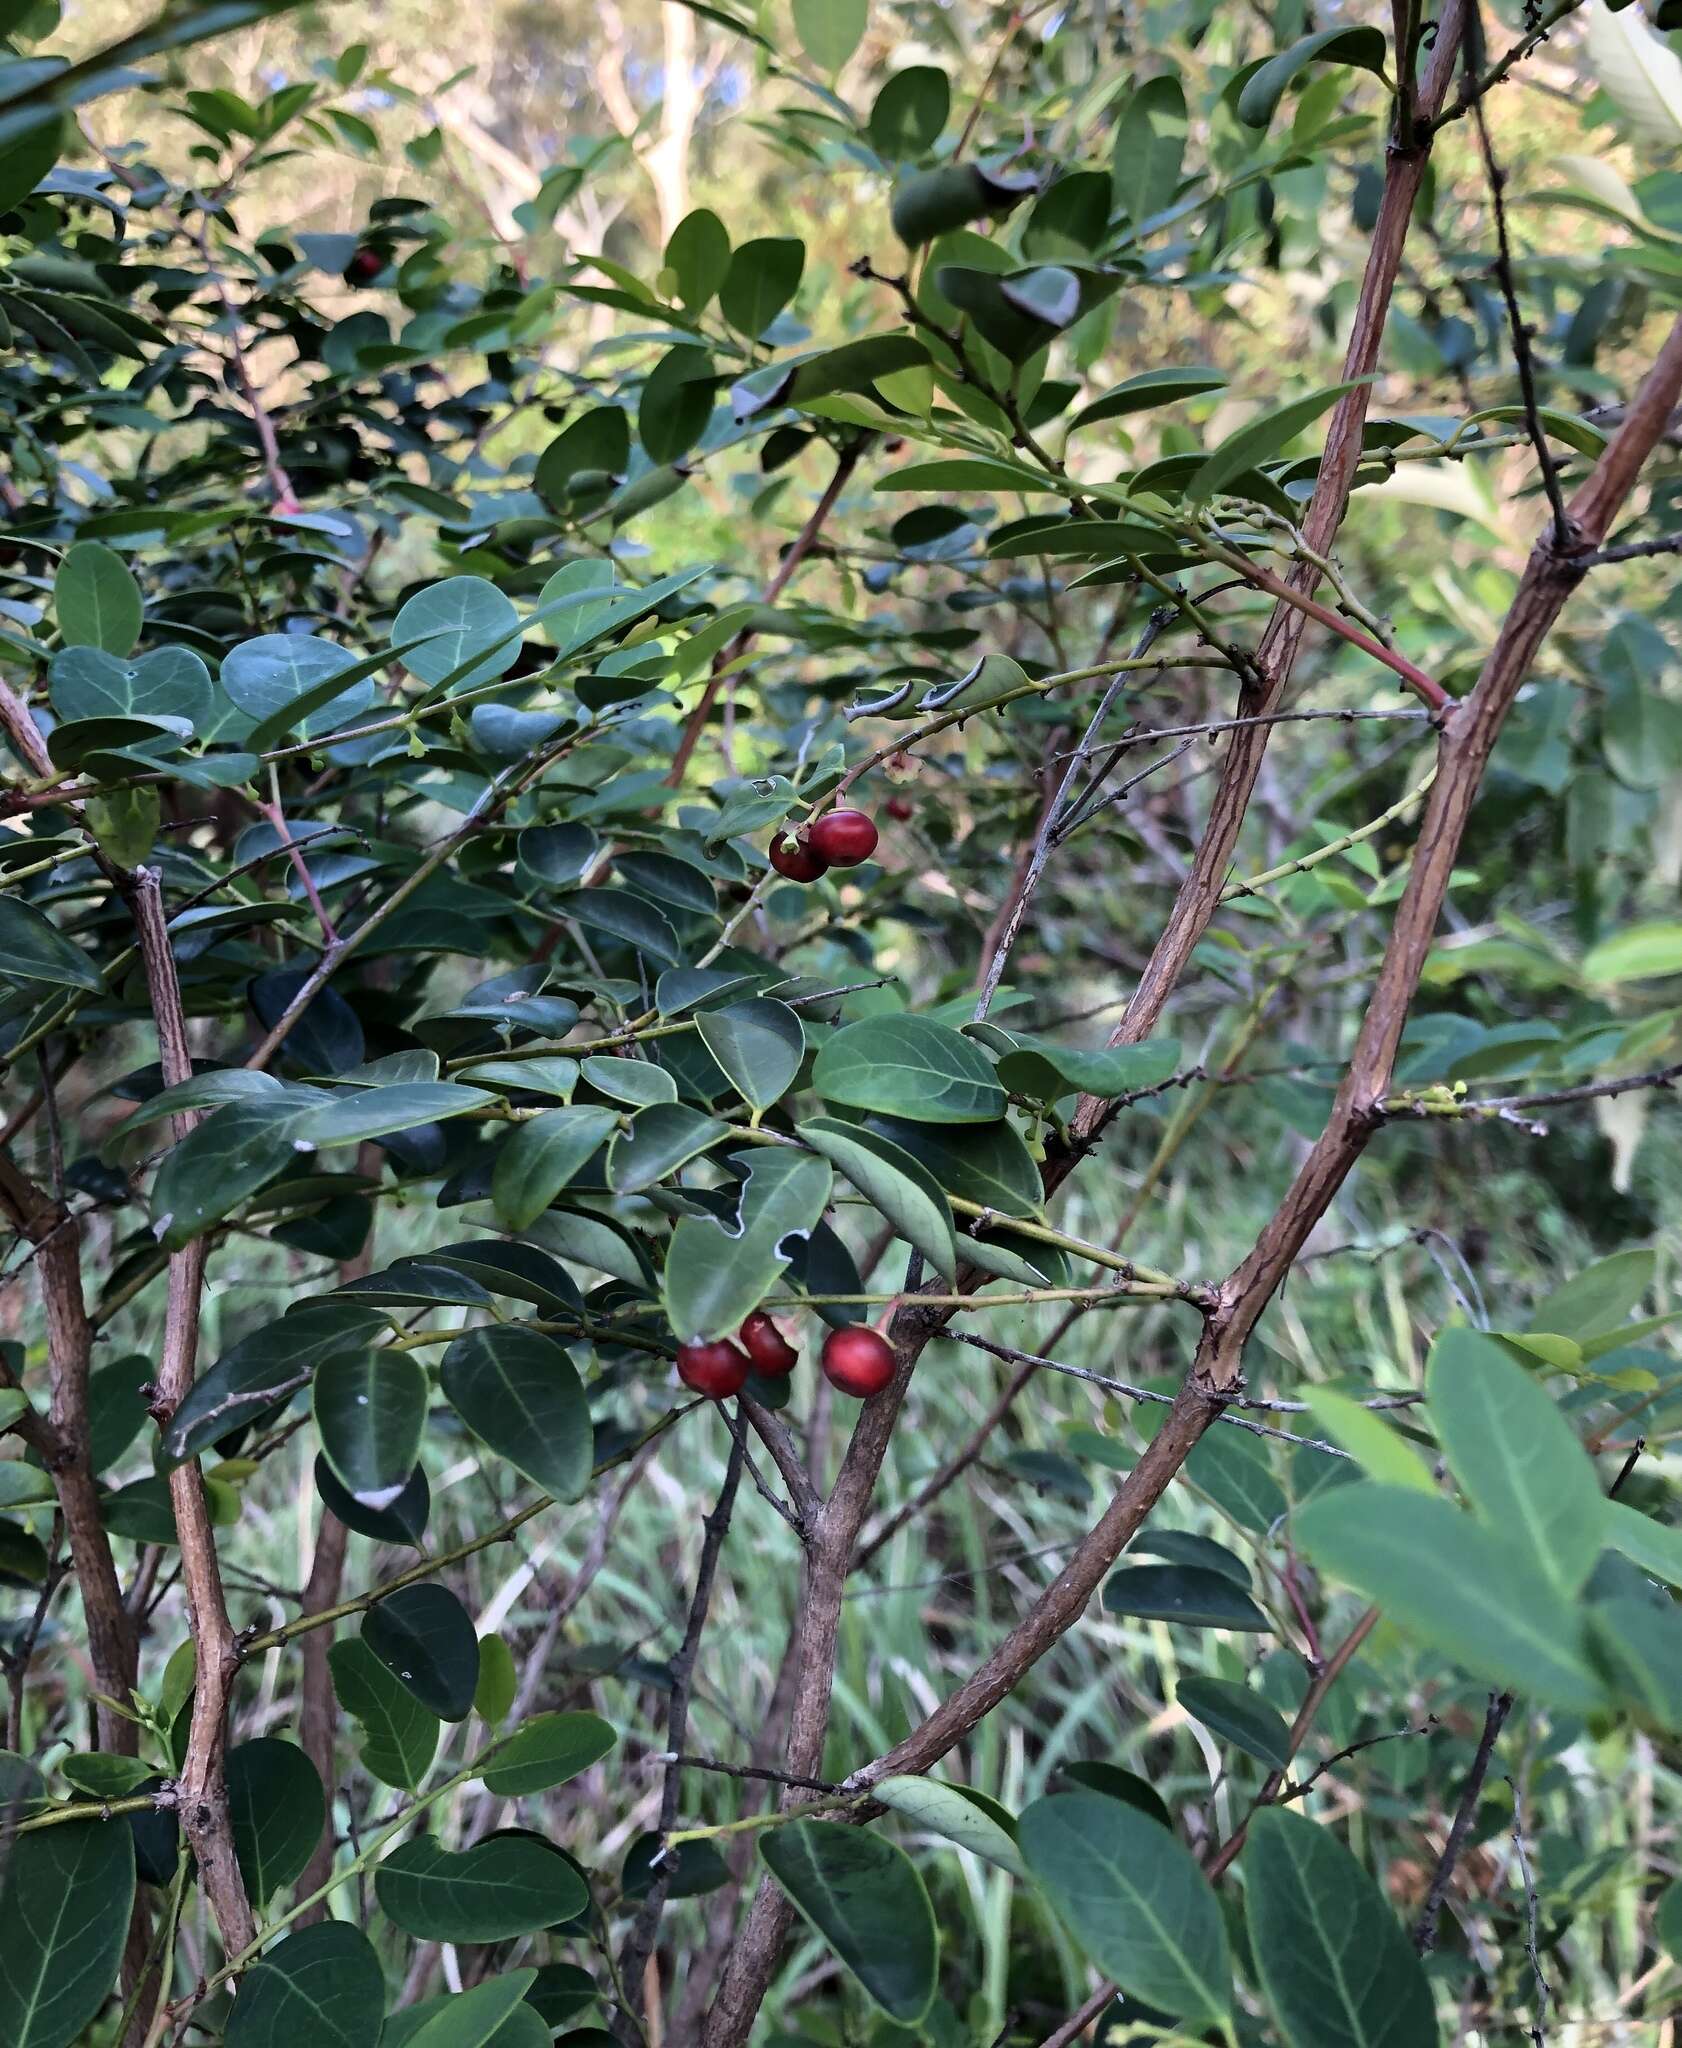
(546,1751)
(1266,86)
(266,1365)
(1380,1449)
(169,682)
(322,1984)
(1595,1302)
(1135,1901)
(517,1390)
(1188,1594)
(274,676)
(1516,1458)
(498,1681)
(656,1142)
(1239,1716)
(911,1067)
(676,403)
(96,600)
(465,619)
(950,1811)
(763,276)
(864,1898)
(125,823)
(905,1192)
(987,1163)
(1637,1644)
(715,1276)
(1272,429)
(1645,952)
(32,948)
(492,2015)
(698,255)
(277,1810)
(1336,1966)
(589,455)
(910,112)
(399,1735)
(507,1885)
(375,1112)
(1464,1589)
(1655,1546)
(64,1914)
(758,1045)
(830,30)
(423,1637)
(220,1164)
(370,1408)
(1150,146)
(542,1156)
(1149,389)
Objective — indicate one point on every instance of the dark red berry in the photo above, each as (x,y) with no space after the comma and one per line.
(717,1370)
(797,860)
(843,838)
(364,266)
(766,1345)
(858,1361)
(899,809)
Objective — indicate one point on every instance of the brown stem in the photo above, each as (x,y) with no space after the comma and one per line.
(1200,893)
(203,1788)
(801,546)
(318,1709)
(1425,1929)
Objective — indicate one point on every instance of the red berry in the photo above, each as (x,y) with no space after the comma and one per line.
(717,1370)
(899,809)
(858,1361)
(364,266)
(843,838)
(766,1345)
(797,860)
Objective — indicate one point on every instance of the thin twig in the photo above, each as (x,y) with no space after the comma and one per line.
(639,1943)
(1425,1927)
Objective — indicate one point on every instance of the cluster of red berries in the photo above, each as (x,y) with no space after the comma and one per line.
(839,839)
(855,1360)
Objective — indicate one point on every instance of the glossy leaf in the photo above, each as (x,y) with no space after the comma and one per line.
(64,1914)
(370,1408)
(277,1809)
(1337,1967)
(715,1275)
(33,949)
(505,1886)
(322,1984)
(1239,1715)
(864,1897)
(422,1635)
(1135,1901)
(904,1191)
(758,1045)
(1183,1593)
(517,1389)
(546,1751)
(96,599)
(948,1810)
(540,1157)
(910,1067)
(399,1734)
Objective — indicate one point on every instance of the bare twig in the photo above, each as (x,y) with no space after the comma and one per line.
(1425,1927)
(639,1943)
